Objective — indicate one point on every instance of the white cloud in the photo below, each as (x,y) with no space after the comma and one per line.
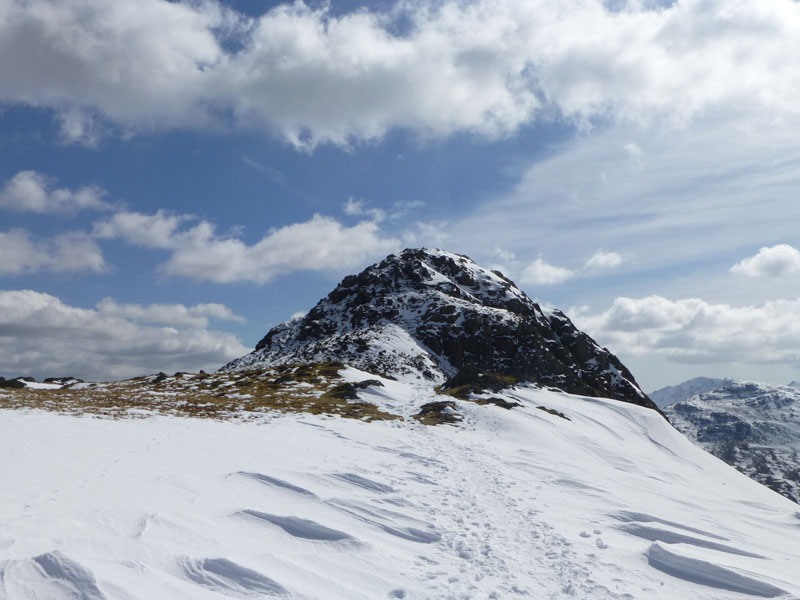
(603,261)
(35,192)
(151,231)
(540,272)
(42,336)
(772,261)
(313,77)
(175,315)
(693,330)
(355,207)
(79,127)
(320,244)
(72,252)
(198,252)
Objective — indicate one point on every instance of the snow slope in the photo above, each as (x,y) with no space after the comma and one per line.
(612,503)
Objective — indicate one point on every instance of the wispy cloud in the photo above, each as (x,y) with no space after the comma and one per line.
(358,208)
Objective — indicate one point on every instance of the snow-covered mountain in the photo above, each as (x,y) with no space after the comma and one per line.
(432,315)
(754,427)
(683,391)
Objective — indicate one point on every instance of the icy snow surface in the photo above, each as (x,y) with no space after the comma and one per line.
(520,503)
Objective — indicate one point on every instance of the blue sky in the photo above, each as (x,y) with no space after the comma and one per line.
(175,178)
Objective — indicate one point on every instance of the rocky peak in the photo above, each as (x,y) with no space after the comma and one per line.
(431,314)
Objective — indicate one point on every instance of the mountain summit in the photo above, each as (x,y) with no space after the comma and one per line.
(437,316)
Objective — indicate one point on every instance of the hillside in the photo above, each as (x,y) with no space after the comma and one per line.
(754,427)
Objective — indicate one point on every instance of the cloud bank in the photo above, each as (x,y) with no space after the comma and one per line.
(694,331)
(42,336)
(486,68)
(73,252)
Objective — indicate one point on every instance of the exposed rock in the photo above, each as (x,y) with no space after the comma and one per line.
(439,412)
(12,383)
(553,411)
(437,316)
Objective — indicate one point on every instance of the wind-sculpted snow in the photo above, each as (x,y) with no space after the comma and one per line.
(280,483)
(612,504)
(230,579)
(431,315)
(300,528)
(706,573)
(52,575)
(754,427)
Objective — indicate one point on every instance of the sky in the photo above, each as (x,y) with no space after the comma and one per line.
(178,177)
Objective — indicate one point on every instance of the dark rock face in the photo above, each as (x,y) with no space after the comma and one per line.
(433,314)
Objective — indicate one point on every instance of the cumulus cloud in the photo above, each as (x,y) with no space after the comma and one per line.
(200,253)
(693,330)
(314,77)
(72,252)
(603,261)
(42,336)
(151,231)
(540,272)
(175,315)
(320,244)
(771,261)
(31,191)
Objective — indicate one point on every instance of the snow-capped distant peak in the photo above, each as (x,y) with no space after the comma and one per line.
(752,426)
(683,391)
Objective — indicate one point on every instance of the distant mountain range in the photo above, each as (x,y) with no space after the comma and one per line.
(755,427)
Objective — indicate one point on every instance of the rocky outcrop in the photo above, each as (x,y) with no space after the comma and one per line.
(435,315)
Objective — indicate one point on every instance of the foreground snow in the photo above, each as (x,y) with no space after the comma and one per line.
(612,503)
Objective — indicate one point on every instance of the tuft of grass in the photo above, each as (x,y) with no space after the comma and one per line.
(553,411)
(301,388)
(438,413)
(467,383)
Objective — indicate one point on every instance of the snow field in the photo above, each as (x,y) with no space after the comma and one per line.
(612,503)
